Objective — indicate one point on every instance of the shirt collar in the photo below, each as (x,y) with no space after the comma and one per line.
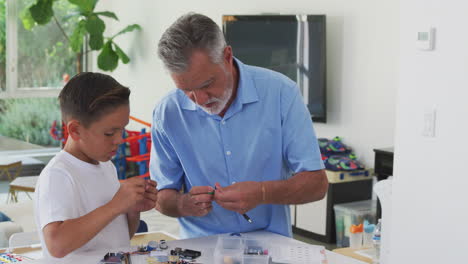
(246,90)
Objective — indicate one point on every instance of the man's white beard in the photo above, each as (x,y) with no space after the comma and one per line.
(220,102)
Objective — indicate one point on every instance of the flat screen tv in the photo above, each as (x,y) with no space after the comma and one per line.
(290,44)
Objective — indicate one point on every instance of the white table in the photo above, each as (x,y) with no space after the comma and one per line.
(204,244)
(22,184)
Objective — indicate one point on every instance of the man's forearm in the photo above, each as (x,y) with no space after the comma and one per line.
(168,202)
(304,187)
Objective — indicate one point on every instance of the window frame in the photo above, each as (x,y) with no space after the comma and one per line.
(11,85)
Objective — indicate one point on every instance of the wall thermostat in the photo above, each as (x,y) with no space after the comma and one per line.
(425,39)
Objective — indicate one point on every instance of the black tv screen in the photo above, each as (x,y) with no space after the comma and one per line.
(290,44)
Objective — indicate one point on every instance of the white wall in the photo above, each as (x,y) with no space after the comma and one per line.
(362,42)
(430,197)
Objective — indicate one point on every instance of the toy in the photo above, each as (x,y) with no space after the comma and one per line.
(332,147)
(59,133)
(11,258)
(342,163)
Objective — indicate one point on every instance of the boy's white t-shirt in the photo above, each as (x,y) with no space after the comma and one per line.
(69,188)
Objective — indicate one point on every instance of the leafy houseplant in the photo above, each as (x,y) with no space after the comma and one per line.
(90,27)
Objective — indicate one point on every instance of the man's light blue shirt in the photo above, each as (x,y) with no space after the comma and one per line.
(266,134)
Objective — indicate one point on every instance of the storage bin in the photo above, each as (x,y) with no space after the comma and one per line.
(235,250)
(354,213)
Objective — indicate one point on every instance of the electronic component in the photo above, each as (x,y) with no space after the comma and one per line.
(163,244)
(152,245)
(185,253)
(116,258)
(255,250)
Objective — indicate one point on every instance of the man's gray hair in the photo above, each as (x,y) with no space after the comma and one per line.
(189,33)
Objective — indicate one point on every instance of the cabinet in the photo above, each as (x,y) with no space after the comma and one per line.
(383,163)
(317,220)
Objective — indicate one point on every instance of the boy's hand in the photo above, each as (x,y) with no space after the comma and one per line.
(150,197)
(130,193)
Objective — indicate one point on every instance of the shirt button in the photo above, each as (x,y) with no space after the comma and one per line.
(228,152)
(223,122)
(233,182)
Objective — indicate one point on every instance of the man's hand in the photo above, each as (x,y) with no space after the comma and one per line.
(240,197)
(150,197)
(197,202)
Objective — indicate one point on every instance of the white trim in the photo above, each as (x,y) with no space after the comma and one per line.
(11,47)
(31,152)
(12,90)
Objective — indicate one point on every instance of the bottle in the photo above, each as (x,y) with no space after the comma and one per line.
(368,234)
(355,236)
(376,242)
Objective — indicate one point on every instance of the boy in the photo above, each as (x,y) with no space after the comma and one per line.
(79,203)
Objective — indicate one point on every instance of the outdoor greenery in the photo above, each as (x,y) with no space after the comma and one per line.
(29,119)
(50,38)
(90,26)
(44,58)
(42,61)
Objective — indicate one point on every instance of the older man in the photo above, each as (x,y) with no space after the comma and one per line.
(237,138)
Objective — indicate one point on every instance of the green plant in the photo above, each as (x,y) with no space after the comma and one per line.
(90,26)
(29,119)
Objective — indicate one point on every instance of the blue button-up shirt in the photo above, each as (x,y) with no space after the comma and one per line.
(266,134)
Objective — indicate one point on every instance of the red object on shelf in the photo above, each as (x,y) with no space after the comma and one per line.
(133,144)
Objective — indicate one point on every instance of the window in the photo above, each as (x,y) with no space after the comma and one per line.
(2,46)
(35,62)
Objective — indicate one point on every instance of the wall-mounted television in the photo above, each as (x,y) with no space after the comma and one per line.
(290,44)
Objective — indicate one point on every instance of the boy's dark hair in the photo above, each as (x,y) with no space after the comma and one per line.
(88,96)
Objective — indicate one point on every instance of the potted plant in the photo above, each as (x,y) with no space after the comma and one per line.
(90,28)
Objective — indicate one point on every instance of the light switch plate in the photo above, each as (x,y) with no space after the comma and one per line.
(425,39)
(429,125)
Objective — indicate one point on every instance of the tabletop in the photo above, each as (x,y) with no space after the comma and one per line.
(204,244)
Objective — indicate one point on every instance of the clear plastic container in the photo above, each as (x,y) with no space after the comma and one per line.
(368,234)
(376,241)
(235,250)
(367,240)
(355,240)
(229,250)
(354,213)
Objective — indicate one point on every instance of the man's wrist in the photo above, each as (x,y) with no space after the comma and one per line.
(263,193)
(180,204)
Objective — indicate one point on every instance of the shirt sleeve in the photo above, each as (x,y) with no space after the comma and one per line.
(300,145)
(165,167)
(57,198)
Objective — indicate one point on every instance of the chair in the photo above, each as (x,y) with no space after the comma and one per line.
(22,184)
(142,227)
(7,164)
(24,239)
